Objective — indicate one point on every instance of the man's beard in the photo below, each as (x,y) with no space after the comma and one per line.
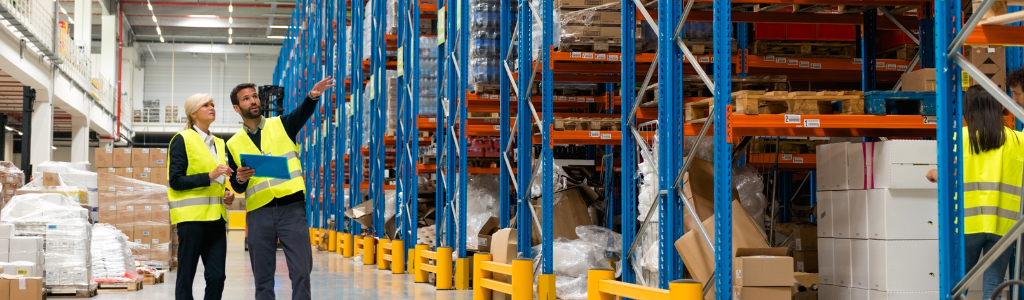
(250,115)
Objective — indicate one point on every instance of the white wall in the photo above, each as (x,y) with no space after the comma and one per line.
(192,75)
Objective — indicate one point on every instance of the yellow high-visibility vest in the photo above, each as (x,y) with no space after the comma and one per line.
(203,203)
(992,185)
(274,140)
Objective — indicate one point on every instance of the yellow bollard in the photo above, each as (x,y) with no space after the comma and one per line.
(339,244)
(312,236)
(368,250)
(397,257)
(479,293)
(410,263)
(546,286)
(381,263)
(462,274)
(420,276)
(522,279)
(346,245)
(332,240)
(685,289)
(444,268)
(594,277)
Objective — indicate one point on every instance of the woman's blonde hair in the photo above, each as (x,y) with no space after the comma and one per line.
(193,104)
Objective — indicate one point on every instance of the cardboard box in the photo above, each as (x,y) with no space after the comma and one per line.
(122,157)
(805,238)
(761,293)
(843,262)
(904,265)
(158,176)
(26,244)
(880,295)
(805,261)
(826,260)
(858,202)
(125,215)
(571,211)
(839,173)
(861,264)
(162,213)
(859,293)
(922,80)
(806,295)
(902,164)
(141,175)
(503,250)
(362,213)
(699,186)
(822,162)
(26,287)
(158,158)
(107,214)
(841,214)
(161,234)
(805,279)
(6,231)
(104,157)
(823,211)
(991,61)
(128,231)
(699,259)
(32,257)
(143,213)
(143,234)
(140,157)
(584,3)
(841,293)
(763,267)
(859,159)
(825,291)
(889,216)
(5,287)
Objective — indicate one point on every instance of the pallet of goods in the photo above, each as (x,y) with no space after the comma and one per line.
(781,102)
(140,210)
(112,265)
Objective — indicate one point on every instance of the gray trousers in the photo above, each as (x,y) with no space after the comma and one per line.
(268,224)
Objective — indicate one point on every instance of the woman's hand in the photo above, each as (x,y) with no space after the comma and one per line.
(229,197)
(219,171)
(933,175)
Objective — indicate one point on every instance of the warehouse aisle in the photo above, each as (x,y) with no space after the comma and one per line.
(334,277)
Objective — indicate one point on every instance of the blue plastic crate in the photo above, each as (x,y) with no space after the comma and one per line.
(899,103)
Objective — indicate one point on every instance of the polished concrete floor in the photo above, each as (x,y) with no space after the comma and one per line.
(333,277)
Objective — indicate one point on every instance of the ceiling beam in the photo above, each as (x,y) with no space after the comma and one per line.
(143,3)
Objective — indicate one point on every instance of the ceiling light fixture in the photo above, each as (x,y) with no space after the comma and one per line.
(161,39)
(231,31)
(154,18)
(52,147)
(229,40)
(231,8)
(280,37)
(279,26)
(231,20)
(203,16)
(150,6)
(158,31)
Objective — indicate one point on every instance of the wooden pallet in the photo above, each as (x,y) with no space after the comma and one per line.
(573,124)
(151,279)
(603,45)
(904,52)
(130,286)
(72,292)
(899,103)
(804,49)
(780,102)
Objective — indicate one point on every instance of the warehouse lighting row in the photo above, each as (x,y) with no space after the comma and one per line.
(231,20)
(151,13)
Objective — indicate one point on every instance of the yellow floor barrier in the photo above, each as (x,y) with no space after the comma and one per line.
(396,256)
(520,272)
(347,245)
(312,236)
(332,241)
(442,267)
(601,285)
(366,248)
(383,246)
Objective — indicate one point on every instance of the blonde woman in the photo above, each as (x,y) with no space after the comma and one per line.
(196,173)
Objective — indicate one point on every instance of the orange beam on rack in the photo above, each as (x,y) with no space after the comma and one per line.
(827,125)
(831,2)
(390,65)
(786,161)
(797,18)
(471,170)
(366,186)
(997,35)
(581,137)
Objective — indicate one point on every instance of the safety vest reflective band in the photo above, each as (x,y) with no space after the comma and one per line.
(274,140)
(203,203)
(992,185)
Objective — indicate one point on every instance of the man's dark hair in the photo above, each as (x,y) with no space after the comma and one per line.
(239,88)
(1015,79)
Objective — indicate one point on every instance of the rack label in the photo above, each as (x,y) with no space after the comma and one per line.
(431,120)
(857,61)
(595,134)
(787,157)
(769,57)
(798,160)
(704,59)
(793,62)
(602,56)
(879,64)
(805,64)
(590,100)
(606,136)
(613,57)
(812,123)
(562,98)
(572,98)
(493,97)
(816,66)
(401,61)
(929,120)
(780,60)
(575,54)
(497,127)
(792,119)
(890,66)
(588,55)
(440,26)
(901,68)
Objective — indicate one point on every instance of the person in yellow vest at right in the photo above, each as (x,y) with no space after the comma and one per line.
(993,173)
(196,171)
(276,207)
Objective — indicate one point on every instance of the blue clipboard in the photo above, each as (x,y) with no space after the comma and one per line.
(267,165)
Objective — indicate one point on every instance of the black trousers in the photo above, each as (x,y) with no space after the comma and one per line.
(206,240)
(287,223)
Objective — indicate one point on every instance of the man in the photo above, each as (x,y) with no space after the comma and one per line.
(1016,83)
(276,207)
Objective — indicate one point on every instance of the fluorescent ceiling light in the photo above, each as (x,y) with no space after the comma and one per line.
(231,20)
(203,16)
(154,18)
(158,31)
(229,40)
(231,8)
(280,37)
(231,31)
(150,6)
(279,26)
(161,39)
(52,147)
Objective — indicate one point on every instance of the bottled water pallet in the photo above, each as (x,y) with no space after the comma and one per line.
(72,291)
(899,103)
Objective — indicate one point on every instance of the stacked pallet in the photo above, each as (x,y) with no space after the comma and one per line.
(781,102)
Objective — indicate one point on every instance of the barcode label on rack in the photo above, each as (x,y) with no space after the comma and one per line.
(787,157)
(595,134)
(431,120)
(590,100)
(497,127)
(929,119)
(562,98)
(613,57)
(572,98)
(493,97)
(792,119)
(805,64)
(704,59)
(798,160)
(769,57)
(575,54)
(857,61)
(793,62)
(901,68)
(816,66)
(879,64)
(890,66)
(812,123)
(602,56)
(606,136)
(780,60)
(588,55)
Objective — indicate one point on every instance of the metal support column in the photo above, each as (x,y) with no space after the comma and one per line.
(628,145)
(948,100)
(868,50)
(670,141)
(723,148)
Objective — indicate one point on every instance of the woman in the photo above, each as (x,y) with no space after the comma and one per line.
(196,174)
(993,165)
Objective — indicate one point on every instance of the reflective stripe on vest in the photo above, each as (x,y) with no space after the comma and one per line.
(992,185)
(274,140)
(201,203)
(256,188)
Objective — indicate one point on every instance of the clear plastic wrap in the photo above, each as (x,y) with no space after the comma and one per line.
(649,187)
(484,65)
(558,178)
(112,259)
(141,211)
(12,179)
(64,228)
(748,182)
(482,204)
(80,184)
(428,76)
(572,260)
(426,235)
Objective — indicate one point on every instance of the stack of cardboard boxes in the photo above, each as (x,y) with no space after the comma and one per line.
(143,164)
(762,274)
(12,179)
(21,249)
(21,287)
(134,199)
(877,220)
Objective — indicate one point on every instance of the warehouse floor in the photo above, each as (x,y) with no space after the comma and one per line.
(333,277)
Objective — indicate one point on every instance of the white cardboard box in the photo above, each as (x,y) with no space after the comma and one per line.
(34,258)
(841,214)
(823,166)
(859,214)
(5,257)
(921,152)
(860,259)
(5,245)
(880,295)
(826,261)
(824,214)
(859,165)
(902,176)
(859,294)
(842,293)
(839,172)
(843,262)
(26,244)
(903,214)
(825,292)
(904,265)
(6,231)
